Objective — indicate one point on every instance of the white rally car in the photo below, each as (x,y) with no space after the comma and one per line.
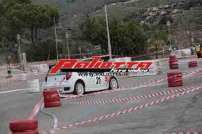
(80,82)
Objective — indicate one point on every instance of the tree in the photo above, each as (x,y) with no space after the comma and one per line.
(158,36)
(127,38)
(42,51)
(20,15)
(39,17)
(23,17)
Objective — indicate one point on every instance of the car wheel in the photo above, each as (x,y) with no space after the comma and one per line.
(79,88)
(113,83)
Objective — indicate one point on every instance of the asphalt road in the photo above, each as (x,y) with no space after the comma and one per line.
(183,113)
(17,105)
(19,102)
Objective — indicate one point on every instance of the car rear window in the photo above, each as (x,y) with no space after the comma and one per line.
(58,73)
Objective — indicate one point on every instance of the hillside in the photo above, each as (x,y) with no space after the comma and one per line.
(184,14)
(72,9)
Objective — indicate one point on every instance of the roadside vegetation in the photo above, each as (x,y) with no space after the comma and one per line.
(136,28)
(127,37)
(27,19)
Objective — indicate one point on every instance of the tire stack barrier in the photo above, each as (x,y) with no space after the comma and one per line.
(174,79)
(192,64)
(24,127)
(51,98)
(173,63)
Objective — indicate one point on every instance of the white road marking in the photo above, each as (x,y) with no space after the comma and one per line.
(15,90)
(54,118)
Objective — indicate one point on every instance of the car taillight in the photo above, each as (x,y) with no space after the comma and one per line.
(68,76)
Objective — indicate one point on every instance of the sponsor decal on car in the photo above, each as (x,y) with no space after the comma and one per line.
(98,65)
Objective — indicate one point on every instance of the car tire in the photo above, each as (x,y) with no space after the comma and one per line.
(113,83)
(79,88)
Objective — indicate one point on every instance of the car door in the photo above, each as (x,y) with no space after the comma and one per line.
(88,79)
(98,81)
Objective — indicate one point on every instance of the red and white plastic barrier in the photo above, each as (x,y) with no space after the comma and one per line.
(51,98)
(29,126)
(192,64)
(174,79)
(173,62)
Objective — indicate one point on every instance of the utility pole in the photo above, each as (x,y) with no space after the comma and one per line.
(56,38)
(168,23)
(108,35)
(19,48)
(67,44)
(80,52)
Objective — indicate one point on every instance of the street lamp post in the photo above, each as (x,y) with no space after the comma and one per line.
(67,44)
(56,38)
(108,34)
(80,52)
(19,47)
(168,23)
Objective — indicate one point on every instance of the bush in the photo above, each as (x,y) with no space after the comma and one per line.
(42,51)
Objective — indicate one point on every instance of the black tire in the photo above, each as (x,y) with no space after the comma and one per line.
(79,88)
(113,83)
